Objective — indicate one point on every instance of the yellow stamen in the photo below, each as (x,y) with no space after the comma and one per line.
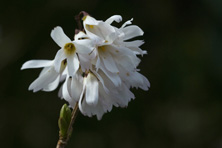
(101,48)
(84,18)
(69,48)
(91,26)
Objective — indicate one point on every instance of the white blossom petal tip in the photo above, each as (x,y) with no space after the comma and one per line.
(59,36)
(90,20)
(92,89)
(37,64)
(132,31)
(116,18)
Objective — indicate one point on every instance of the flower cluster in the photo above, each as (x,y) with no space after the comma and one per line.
(98,67)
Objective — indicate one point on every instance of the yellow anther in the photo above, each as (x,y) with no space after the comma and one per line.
(91,26)
(84,18)
(102,48)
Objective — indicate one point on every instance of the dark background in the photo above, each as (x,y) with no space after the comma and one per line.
(183,107)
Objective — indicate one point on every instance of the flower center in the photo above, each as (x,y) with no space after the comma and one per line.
(102,48)
(69,48)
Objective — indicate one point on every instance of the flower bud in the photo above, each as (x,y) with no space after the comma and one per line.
(64,120)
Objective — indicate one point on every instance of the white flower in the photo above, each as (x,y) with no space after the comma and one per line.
(98,68)
(95,92)
(48,79)
(110,34)
(100,94)
(126,33)
(115,57)
(68,50)
(102,32)
(72,88)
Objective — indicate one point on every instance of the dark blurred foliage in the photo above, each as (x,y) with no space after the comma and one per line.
(183,107)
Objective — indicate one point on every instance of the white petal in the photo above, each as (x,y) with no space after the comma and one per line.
(63,75)
(60,56)
(73,65)
(81,96)
(92,93)
(76,63)
(127,23)
(138,51)
(109,62)
(44,70)
(127,59)
(37,64)
(104,104)
(52,86)
(84,46)
(90,21)
(111,38)
(146,84)
(136,43)
(103,30)
(101,80)
(70,65)
(140,81)
(59,36)
(107,31)
(114,77)
(81,35)
(125,95)
(134,46)
(76,88)
(132,31)
(65,91)
(116,18)
(89,110)
(106,99)
(85,62)
(95,32)
(108,83)
(98,63)
(44,80)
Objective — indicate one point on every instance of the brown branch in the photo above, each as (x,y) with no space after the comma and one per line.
(78,19)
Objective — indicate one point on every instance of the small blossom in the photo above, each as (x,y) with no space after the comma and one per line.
(68,50)
(48,79)
(98,67)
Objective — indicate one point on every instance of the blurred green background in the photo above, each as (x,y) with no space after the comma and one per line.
(183,107)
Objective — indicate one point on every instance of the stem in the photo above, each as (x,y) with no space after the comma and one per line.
(78,19)
(62,142)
